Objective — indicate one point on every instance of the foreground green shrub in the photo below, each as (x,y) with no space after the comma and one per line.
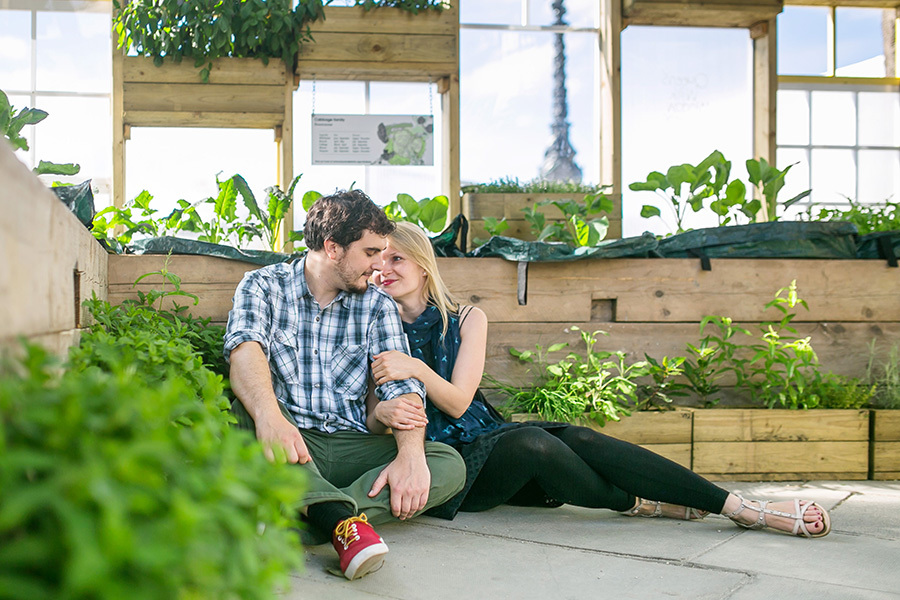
(122,477)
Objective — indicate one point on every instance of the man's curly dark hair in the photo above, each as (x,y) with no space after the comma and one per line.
(343,217)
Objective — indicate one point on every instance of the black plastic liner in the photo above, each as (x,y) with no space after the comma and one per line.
(167,244)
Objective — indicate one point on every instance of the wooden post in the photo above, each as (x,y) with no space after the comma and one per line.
(286,159)
(118,129)
(610,95)
(448,87)
(765,88)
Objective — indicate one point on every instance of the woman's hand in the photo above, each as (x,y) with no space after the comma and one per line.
(393,366)
(401,413)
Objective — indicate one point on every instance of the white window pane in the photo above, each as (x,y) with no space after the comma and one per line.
(15,50)
(860,43)
(506,12)
(74,51)
(679,103)
(403,98)
(803,40)
(797,179)
(77,130)
(182,163)
(879,119)
(506,107)
(879,175)
(833,118)
(833,176)
(793,117)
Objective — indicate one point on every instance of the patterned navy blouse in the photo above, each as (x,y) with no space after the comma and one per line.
(439,352)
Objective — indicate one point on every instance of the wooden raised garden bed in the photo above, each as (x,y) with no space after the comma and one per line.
(710,13)
(886,444)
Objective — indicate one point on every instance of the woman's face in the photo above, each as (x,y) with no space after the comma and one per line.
(399,276)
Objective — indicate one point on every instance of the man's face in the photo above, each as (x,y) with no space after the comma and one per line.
(356,263)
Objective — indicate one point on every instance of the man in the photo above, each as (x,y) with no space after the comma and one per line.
(300,340)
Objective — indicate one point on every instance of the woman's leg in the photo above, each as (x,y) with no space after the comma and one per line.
(530,456)
(642,472)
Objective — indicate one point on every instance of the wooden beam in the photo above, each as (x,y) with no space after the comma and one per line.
(610,97)
(201,118)
(380,47)
(203,97)
(846,3)
(450,177)
(118,130)
(286,162)
(710,13)
(386,20)
(765,89)
(231,71)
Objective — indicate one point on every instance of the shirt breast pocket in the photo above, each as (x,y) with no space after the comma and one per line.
(350,370)
(283,352)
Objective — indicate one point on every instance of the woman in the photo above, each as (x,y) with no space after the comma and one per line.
(532,464)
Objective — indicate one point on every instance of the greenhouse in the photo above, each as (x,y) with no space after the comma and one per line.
(661,244)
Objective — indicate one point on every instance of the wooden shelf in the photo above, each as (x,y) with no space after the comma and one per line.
(710,13)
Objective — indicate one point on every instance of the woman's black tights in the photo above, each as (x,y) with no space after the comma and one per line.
(577,465)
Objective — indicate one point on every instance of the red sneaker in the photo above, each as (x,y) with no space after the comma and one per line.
(360,549)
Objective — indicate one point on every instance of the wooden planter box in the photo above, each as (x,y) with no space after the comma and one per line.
(476,207)
(667,433)
(382,44)
(886,444)
(780,445)
(708,13)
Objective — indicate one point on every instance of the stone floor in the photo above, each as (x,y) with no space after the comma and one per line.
(577,553)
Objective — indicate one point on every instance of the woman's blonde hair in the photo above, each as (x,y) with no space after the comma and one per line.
(410,240)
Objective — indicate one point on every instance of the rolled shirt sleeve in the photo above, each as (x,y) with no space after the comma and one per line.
(386,333)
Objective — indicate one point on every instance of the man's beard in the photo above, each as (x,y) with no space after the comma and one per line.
(350,279)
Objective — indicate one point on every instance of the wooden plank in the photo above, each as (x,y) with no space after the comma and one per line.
(677,290)
(710,13)
(887,425)
(165,118)
(841,347)
(450,175)
(380,47)
(385,20)
(520,229)
(792,476)
(236,71)
(809,458)
(609,93)
(203,97)
(848,3)
(886,457)
(646,427)
(886,476)
(759,425)
(765,88)
(375,71)
(124,269)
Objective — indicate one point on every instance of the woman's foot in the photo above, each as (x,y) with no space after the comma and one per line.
(654,508)
(796,517)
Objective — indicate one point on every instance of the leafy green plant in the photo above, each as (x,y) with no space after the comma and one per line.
(579,227)
(838,391)
(123,477)
(665,385)
(428,213)
(413,6)
(508,185)
(600,385)
(687,187)
(868,218)
(11,124)
(278,204)
(768,181)
(885,377)
(135,217)
(716,355)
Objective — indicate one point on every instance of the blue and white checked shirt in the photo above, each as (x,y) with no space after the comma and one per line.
(319,358)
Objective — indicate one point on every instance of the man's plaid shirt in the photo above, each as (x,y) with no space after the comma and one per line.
(319,358)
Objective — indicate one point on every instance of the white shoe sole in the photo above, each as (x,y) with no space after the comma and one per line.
(366,561)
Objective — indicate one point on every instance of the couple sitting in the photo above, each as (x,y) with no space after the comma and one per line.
(305,340)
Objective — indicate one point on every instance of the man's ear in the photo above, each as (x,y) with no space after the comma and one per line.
(332,249)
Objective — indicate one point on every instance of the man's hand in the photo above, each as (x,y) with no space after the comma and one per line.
(278,435)
(401,413)
(409,479)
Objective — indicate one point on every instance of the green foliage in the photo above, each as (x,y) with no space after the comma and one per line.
(664,375)
(278,205)
(428,213)
(714,356)
(885,377)
(837,391)
(686,186)
(413,6)
(136,217)
(122,477)
(768,181)
(11,124)
(868,218)
(579,227)
(495,227)
(204,31)
(507,185)
(599,385)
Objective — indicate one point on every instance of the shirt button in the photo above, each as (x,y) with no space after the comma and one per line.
(317,385)
(315,351)
(318,319)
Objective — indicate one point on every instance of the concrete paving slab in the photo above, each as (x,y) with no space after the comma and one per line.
(436,563)
(796,589)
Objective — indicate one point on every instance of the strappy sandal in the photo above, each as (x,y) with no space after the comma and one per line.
(690,514)
(800,528)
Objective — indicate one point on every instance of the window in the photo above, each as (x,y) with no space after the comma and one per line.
(838,105)
(56,57)
(507,87)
